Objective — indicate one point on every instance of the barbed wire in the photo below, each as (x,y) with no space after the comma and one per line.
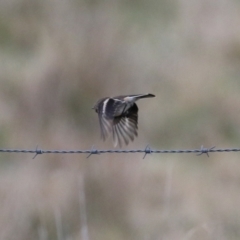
(146,151)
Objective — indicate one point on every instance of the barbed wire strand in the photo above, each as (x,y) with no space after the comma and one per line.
(146,151)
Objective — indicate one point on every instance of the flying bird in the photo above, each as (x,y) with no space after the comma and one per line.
(119,116)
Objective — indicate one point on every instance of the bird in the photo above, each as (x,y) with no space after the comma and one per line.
(119,116)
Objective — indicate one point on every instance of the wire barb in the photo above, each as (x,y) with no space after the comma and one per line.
(93,151)
(37,152)
(147,150)
(205,150)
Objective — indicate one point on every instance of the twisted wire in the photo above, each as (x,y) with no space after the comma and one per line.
(146,151)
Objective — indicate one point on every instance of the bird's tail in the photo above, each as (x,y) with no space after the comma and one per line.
(133,98)
(148,95)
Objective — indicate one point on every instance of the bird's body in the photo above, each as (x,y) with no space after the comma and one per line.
(119,115)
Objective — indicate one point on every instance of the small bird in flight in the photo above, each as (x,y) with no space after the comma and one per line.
(119,115)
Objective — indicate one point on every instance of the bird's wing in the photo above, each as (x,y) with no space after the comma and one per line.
(125,126)
(105,125)
(109,107)
(113,108)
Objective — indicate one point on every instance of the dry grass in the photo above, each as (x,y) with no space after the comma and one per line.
(59,57)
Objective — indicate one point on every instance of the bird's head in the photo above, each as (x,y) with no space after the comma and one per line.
(95,108)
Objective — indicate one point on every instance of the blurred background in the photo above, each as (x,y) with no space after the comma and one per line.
(58,57)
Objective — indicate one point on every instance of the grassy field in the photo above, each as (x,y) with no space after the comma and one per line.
(58,58)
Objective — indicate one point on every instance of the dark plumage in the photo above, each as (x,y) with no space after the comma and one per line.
(119,116)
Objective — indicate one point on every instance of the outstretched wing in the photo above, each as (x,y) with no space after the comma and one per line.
(109,109)
(125,126)
(105,125)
